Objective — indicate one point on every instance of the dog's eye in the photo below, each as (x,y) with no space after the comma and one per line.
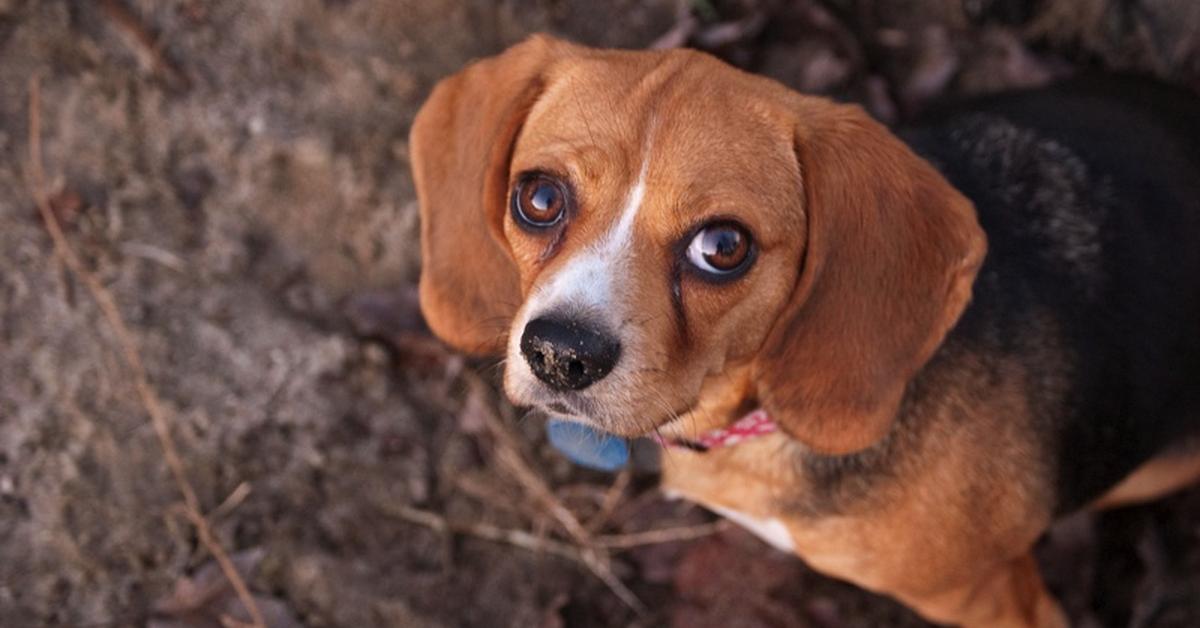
(539,201)
(720,250)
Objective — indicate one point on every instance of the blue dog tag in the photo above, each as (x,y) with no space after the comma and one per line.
(586,446)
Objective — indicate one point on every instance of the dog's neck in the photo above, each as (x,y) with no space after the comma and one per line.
(726,399)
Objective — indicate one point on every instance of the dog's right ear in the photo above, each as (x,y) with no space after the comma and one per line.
(461,145)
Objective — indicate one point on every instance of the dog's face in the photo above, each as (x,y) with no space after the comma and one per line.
(656,235)
(637,232)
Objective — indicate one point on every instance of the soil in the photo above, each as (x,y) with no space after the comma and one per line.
(237,176)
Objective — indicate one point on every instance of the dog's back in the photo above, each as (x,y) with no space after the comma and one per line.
(1089,193)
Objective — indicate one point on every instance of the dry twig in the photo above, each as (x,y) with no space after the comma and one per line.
(143,44)
(516,538)
(534,543)
(661,535)
(492,495)
(612,497)
(129,351)
(235,499)
(510,456)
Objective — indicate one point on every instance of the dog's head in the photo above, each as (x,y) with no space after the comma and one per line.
(635,229)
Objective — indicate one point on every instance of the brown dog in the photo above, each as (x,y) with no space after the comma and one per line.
(953,338)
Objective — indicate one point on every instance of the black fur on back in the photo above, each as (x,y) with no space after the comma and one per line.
(1089,193)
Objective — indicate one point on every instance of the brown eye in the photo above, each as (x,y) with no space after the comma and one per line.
(539,201)
(720,250)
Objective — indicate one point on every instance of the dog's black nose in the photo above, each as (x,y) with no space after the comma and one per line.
(566,354)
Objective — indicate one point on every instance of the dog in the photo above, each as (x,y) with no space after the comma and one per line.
(899,355)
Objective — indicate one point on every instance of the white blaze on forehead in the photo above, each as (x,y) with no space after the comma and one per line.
(586,280)
(620,235)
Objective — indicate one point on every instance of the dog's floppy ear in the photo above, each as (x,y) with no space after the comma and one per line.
(461,146)
(892,251)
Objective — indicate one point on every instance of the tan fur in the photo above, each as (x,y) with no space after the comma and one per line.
(939,533)
(866,258)
(892,252)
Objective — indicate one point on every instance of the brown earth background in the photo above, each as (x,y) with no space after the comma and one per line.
(236,175)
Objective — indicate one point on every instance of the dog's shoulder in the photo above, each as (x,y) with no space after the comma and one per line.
(1089,192)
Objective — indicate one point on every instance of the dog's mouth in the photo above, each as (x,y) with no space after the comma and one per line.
(573,408)
(558,407)
(586,411)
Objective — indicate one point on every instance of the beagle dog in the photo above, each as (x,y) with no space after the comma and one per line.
(898,355)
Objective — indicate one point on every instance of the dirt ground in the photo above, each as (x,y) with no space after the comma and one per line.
(236,174)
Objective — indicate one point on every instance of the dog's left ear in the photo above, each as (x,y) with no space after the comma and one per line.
(892,251)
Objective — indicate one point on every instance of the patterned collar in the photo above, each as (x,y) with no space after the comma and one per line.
(757,423)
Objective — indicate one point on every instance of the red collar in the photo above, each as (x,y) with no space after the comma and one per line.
(757,423)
